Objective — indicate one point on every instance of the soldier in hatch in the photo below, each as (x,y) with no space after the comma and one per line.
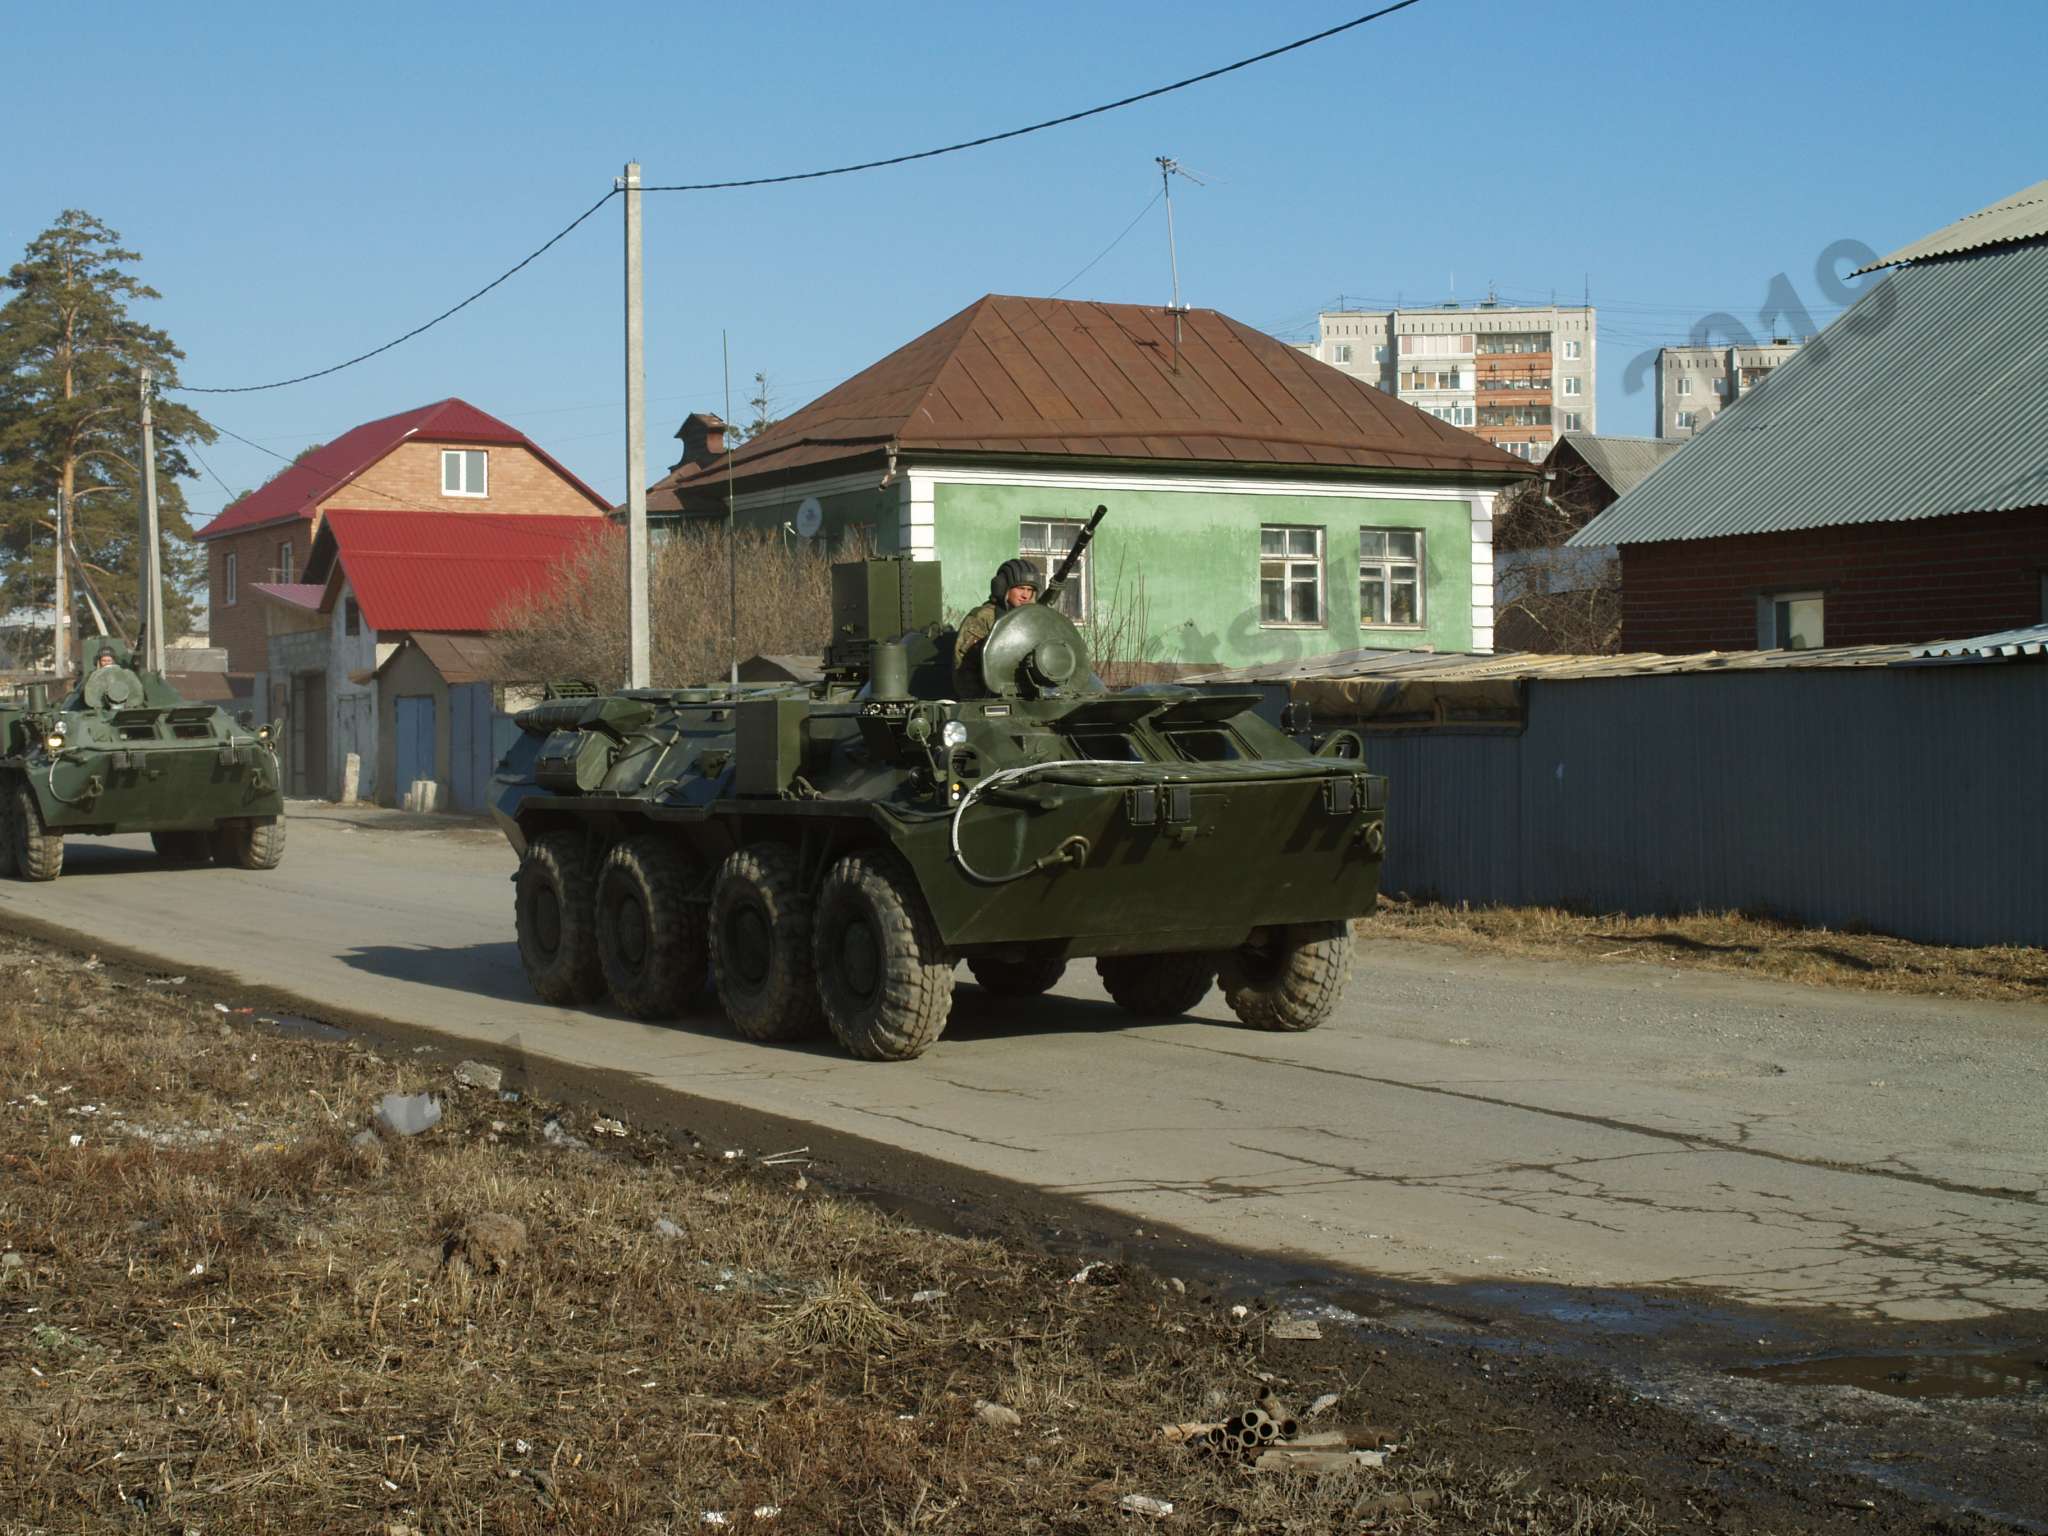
(1016,584)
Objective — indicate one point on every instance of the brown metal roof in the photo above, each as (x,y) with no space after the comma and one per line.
(1057,377)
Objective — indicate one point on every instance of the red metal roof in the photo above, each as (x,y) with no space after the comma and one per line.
(298,489)
(1105,381)
(295,594)
(447,570)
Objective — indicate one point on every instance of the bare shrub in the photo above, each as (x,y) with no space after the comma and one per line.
(577,626)
(1551,598)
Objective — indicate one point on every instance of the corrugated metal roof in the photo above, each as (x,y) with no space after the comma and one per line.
(2023,216)
(1923,400)
(297,490)
(294,594)
(1623,462)
(447,570)
(1082,380)
(2031,641)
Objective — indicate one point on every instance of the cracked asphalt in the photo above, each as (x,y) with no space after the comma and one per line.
(1463,1118)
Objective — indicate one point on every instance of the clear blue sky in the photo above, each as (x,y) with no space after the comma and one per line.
(305,182)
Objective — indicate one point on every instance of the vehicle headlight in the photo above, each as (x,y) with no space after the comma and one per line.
(54,743)
(954,734)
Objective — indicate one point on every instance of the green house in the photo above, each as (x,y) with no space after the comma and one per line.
(1263,506)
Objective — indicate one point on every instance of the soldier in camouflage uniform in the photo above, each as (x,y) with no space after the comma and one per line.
(1016,583)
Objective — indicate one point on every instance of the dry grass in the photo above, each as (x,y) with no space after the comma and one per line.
(1731,941)
(219,1312)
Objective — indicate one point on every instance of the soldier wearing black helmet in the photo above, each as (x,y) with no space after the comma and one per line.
(1015,584)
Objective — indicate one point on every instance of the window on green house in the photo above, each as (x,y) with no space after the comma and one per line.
(1045,542)
(1390,576)
(1290,575)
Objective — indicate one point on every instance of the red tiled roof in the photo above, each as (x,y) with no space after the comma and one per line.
(1083,380)
(447,570)
(299,488)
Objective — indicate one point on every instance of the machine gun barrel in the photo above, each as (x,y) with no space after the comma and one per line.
(1082,540)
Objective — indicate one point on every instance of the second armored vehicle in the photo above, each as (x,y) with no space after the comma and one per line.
(834,851)
(123,753)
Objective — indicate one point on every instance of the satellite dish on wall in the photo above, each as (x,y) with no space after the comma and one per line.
(810,517)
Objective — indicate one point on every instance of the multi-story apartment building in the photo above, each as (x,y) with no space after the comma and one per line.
(1516,375)
(1695,384)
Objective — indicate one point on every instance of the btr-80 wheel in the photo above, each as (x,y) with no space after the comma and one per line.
(38,852)
(250,842)
(182,847)
(556,919)
(761,945)
(1293,979)
(1157,986)
(650,938)
(1022,975)
(884,975)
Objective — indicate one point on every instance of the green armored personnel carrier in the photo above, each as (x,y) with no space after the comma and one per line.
(834,851)
(123,753)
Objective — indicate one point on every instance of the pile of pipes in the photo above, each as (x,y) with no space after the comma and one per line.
(1272,1439)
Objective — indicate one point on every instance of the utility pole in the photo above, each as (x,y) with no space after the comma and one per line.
(150,628)
(640,663)
(732,523)
(60,641)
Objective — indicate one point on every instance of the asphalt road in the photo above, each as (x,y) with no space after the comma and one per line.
(1460,1118)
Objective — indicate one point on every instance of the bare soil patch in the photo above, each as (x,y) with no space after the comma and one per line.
(223,1308)
(1756,944)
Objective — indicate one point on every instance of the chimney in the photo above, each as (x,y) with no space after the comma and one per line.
(703,438)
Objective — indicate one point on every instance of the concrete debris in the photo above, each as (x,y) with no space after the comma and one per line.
(932,1295)
(486,1242)
(554,1135)
(1097,1273)
(1322,1404)
(1239,1313)
(1144,1504)
(407,1114)
(480,1074)
(1180,1286)
(663,1227)
(996,1415)
(607,1127)
(1296,1328)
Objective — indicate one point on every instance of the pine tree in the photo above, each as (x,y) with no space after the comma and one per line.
(70,360)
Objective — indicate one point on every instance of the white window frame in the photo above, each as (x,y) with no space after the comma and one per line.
(284,561)
(1685,384)
(1385,564)
(1574,421)
(227,579)
(1767,604)
(460,459)
(1077,598)
(1290,563)
(1571,349)
(1686,421)
(1343,350)
(1573,386)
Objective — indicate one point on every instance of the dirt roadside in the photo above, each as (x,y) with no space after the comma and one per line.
(1749,943)
(225,1312)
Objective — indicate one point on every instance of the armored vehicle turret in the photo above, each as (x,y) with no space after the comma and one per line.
(123,753)
(832,852)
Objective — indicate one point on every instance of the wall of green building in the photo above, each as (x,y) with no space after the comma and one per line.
(873,511)
(1188,562)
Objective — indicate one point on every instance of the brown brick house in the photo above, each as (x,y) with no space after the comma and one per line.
(444,457)
(1886,485)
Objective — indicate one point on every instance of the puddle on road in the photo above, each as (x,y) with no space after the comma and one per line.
(2022,1373)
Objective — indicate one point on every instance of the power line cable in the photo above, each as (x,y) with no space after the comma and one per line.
(527,260)
(1051,122)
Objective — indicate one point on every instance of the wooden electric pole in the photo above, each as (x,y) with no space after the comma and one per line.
(149,628)
(60,641)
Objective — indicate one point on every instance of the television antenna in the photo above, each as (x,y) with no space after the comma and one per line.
(1168,169)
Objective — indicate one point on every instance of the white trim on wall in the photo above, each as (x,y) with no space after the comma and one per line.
(917,517)
(1111,480)
(1482,571)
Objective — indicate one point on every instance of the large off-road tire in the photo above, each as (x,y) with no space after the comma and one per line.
(1293,980)
(1157,986)
(182,847)
(761,946)
(650,936)
(884,975)
(249,842)
(1025,975)
(38,852)
(555,913)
